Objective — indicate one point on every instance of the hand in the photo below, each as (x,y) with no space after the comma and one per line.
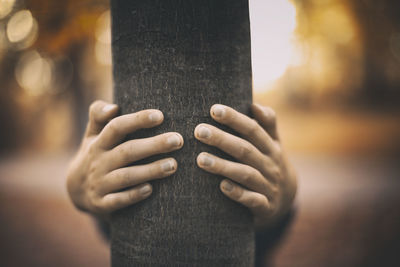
(98,180)
(262,180)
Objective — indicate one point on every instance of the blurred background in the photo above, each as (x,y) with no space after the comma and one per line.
(330,69)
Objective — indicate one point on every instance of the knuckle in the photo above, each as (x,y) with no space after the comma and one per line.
(238,194)
(93,168)
(277,149)
(125,178)
(138,117)
(93,187)
(126,151)
(270,114)
(155,170)
(92,148)
(230,116)
(116,202)
(112,126)
(164,140)
(215,140)
(274,191)
(133,196)
(98,206)
(245,150)
(248,175)
(276,173)
(219,167)
(257,174)
(258,203)
(113,202)
(141,118)
(253,203)
(252,127)
(273,115)
(217,137)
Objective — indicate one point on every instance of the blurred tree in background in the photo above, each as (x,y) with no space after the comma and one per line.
(43,55)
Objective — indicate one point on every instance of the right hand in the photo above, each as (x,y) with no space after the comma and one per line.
(98,180)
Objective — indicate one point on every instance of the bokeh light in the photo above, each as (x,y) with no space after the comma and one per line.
(6,6)
(19,26)
(34,73)
(22,29)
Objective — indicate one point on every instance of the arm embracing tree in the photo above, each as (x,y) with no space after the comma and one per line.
(182,56)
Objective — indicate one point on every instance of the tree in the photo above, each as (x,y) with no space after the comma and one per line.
(378,22)
(182,56)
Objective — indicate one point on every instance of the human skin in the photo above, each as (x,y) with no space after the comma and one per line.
(262,179)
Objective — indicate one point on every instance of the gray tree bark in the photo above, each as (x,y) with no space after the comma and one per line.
(182,56)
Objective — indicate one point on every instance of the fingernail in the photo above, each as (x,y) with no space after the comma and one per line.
(155,116)
(227,186)
(218,111)
(174,140)
(203,132)
(206,160)
(168,166)
(145,189)
(108,107)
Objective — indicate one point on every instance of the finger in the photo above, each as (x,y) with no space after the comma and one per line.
(100,113)
(244,125)
(235,146)
(131,176)
(119,127)
(240,173)
(256,202)
(138,149)
(115,201)
(266,117)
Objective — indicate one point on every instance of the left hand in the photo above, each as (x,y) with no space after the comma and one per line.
(262,180)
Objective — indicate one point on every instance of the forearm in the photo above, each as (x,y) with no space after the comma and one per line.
(103,226)
(268,238)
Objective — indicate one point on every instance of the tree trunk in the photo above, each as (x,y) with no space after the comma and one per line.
(182,56)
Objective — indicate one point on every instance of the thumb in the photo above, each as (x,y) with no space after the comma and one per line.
(266,117)
(100,112)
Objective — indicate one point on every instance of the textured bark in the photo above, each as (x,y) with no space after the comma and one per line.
(182,56)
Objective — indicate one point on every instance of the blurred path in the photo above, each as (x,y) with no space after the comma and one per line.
(39,226)
(347,215)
